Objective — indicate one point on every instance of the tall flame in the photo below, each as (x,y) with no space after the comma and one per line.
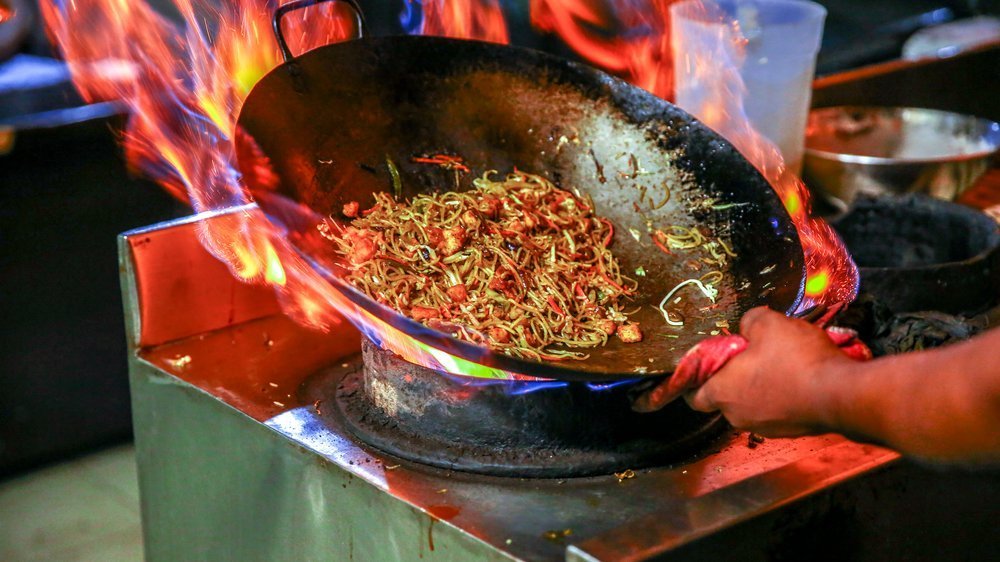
(629,38)
(184,82)
(6,13)
(184,85)
(642,52)
(465,19)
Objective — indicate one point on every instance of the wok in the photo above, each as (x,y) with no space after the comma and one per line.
(327,121)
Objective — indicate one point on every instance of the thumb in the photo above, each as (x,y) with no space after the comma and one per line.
(701,399)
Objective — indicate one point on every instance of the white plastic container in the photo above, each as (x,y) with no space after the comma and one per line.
(762,49)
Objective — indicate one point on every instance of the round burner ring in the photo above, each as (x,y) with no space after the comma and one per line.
(421,415)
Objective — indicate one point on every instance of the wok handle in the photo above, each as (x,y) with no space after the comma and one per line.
(286,53)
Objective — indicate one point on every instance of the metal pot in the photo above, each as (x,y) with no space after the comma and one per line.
(918,253)
(852,151)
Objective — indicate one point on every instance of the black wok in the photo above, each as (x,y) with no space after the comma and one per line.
(327,120)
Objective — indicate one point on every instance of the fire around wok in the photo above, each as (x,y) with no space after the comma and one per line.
(323,126)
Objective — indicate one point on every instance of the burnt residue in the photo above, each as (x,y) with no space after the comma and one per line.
(598,167)
(425,416)
(918,253)
(888,333)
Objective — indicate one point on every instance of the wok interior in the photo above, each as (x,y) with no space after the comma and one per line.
(328,121)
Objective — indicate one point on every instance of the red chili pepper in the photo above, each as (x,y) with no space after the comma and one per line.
(611,232)
(444,160)
(367,212)
(555,306)
(391,258)
(659,245)
(608,279)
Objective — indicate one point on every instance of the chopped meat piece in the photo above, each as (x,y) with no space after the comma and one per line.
(490,206)
(497,283)
(422,313)
(458,293)
(503,282)
(435,236)
(350,209)
(364,250)
(530,339)
(498,335)
(516,226)
(363,247)
(471,220)
(454,240)
(629,332)
(608,326)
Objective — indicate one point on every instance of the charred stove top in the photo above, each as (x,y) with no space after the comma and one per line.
(507,428)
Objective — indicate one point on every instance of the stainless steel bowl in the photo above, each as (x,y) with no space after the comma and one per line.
(892,150)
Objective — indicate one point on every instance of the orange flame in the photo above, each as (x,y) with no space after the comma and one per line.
(633,40)
(184,85)
(6,13)
(628,38)
(464,19)
(831,275)
(184,90)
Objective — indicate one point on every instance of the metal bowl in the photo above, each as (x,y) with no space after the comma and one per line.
(853,151)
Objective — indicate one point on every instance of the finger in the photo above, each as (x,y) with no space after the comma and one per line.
(701,399)
(705,397)
(760,324)
(757,321)
(656,398)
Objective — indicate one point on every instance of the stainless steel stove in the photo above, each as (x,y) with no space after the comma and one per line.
(239,460)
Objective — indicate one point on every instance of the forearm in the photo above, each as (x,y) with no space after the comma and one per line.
(942,404)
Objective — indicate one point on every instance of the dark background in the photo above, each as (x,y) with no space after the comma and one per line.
(65,195)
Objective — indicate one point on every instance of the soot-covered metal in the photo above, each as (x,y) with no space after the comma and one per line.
(325,124)
(917,253)
(488,427)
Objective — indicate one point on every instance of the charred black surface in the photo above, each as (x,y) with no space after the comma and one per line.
(325,124)
(484,427)
(917,253)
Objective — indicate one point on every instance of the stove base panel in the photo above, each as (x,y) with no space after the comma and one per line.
(218,484)
(238,461)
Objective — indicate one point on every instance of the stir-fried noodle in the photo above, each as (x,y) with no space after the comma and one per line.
(516,263)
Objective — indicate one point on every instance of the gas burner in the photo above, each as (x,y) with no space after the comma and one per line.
(505,429)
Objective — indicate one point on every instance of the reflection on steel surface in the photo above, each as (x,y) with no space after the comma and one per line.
(234,460)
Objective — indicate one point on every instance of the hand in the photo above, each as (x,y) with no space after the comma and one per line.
(775,386)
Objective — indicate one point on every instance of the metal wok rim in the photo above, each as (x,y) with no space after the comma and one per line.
(568,370)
